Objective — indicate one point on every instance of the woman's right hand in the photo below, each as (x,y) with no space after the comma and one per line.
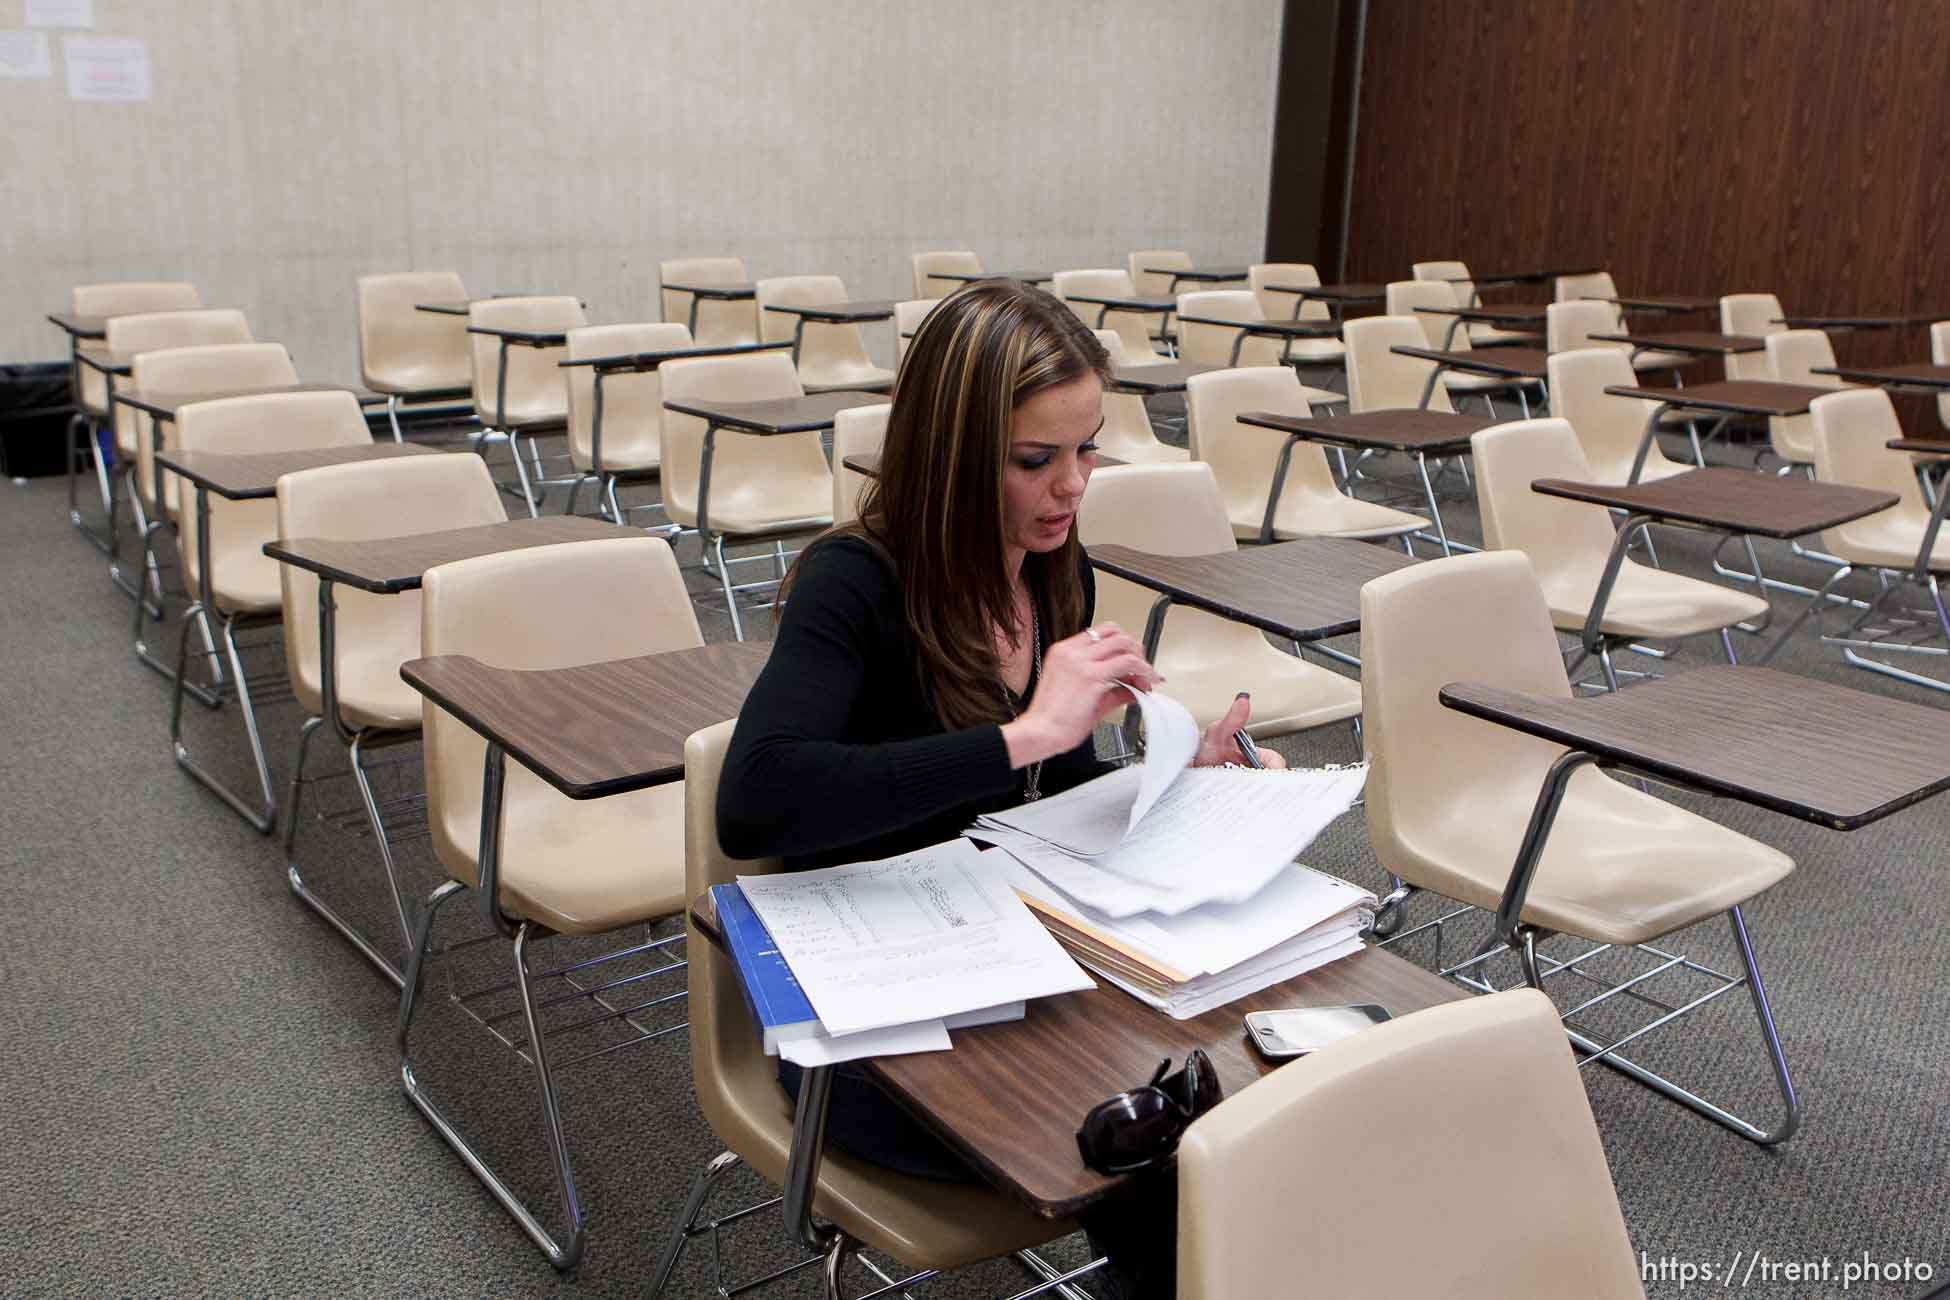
(1076,691)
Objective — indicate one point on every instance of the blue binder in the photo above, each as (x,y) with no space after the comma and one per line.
(777,1003)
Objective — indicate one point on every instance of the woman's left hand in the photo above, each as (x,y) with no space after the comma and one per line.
(1218,746)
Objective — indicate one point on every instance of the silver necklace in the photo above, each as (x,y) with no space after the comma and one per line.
(1033,774)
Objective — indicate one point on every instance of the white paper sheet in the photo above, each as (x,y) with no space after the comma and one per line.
(895,1040)
(1170,744)
(60,13)
(107,68)
(24,54)
(910,938)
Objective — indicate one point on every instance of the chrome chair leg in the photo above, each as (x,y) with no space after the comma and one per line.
(564,1255)
(356,753)
(263,819)
(706,1182)
(521,472)
(730,597)
(295,878)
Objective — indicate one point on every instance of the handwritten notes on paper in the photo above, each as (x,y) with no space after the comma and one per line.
(918,937)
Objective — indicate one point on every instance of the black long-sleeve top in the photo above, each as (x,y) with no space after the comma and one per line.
(838,755)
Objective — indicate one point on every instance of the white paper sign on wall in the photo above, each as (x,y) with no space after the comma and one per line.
(61,13)
(107,68)
(24,54)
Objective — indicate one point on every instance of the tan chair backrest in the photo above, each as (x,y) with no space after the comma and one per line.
(858,431)
(1592,284)
(537,390)
(907,318)
(1469,618)
(727,1059)
(736,461)
(1243,459)
(1851,431)
(401,346)
(829,352)
(1560,536)
(633,401)
(1792,356)
(1134,329)
(1940,354)
(1279,1182)
(544,607)
(1404,296)
(1212,344)
(1148,282)
(1164,509)
(718,323)
(264,423)
(927,264)
(365,502)
(1754,314)
(189,372)
(1278,305)
(1127,433)
(1379,379)
(1608,428)
(131,297)
(1453,274)
(1569,326)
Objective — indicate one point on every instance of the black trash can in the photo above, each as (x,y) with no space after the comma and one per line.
(35,403)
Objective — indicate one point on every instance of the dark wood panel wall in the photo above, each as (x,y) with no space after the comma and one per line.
(1794,146)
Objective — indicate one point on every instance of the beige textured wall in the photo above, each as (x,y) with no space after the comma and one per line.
(567,146)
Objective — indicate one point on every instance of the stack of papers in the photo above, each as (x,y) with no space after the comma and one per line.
(1178,884)
(892,954)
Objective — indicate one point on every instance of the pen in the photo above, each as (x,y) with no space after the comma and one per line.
(1247,748)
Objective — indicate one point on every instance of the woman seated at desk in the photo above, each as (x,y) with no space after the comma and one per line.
(937,660)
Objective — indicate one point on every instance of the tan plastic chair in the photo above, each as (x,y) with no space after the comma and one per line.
(1150,283)
(1608,428)
(129,336)
(1379,379)
(1215,345)
(1406,297)
(1244,461)
(1576,288)
(760,487)
(713,323)
(831,356)
(907,318)
(1852,431)
(1792,356)
(408,354)
(90,387)
(1456,276)
(233,577)
(1568,326)
(922,1223)
(564,866)
(521,390)
(1757,314)
(1136,330)
(1568,543)
(1206,660)
(179,372)
(1940,354)
(1127,434)
(1449,798)
(927,284)
(1258,1216)
(859,431)
(373,635)
(631,447)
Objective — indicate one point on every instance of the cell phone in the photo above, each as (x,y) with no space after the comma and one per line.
(1278,1035)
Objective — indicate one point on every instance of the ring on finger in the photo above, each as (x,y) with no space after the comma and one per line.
(1094,635)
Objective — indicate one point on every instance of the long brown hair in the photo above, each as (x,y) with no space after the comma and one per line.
(937,507)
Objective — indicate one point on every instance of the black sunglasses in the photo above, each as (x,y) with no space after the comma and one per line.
(1136,1129)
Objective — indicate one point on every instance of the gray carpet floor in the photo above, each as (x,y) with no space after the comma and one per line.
(202,1089)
